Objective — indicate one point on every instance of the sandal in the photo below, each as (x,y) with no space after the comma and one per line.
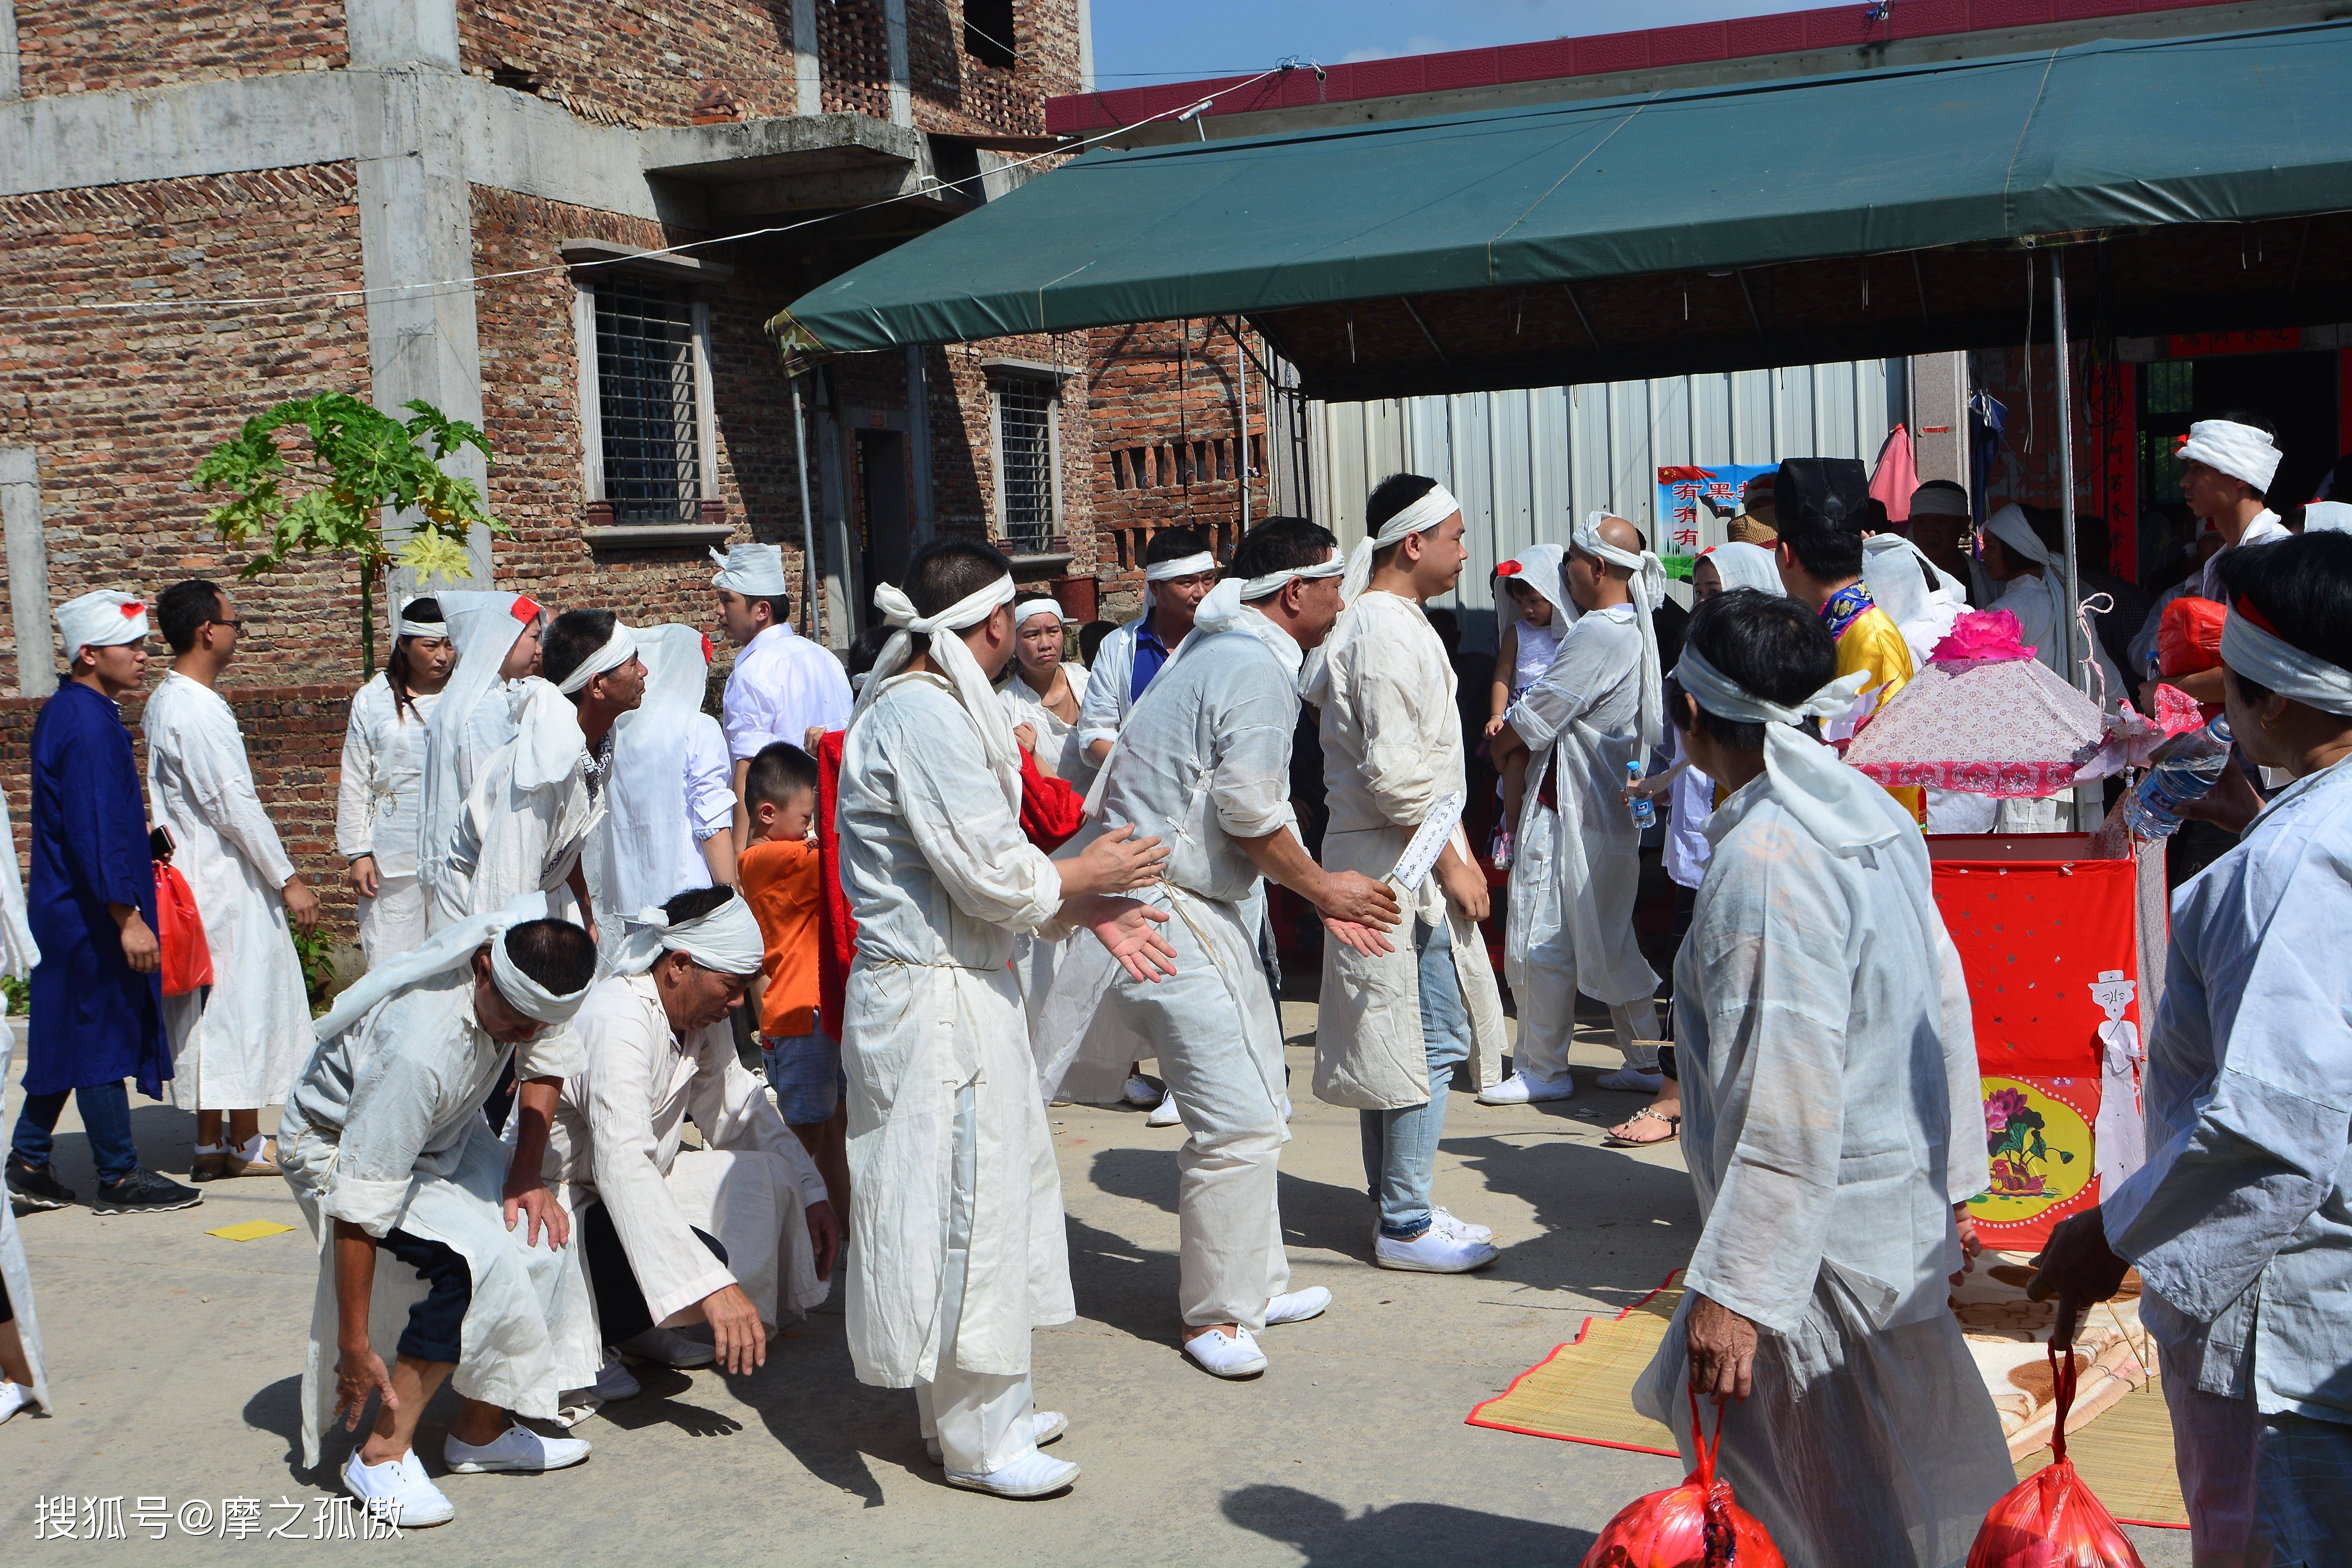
(1649,1112)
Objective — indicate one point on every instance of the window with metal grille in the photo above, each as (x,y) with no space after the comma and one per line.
(646,396)
(1024,463)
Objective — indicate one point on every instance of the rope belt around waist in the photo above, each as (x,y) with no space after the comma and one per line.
(919,963)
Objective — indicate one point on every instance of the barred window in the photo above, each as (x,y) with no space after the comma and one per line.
(1026,493)
(646,396)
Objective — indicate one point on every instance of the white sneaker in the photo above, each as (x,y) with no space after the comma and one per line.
(1459,1229)
(14,1396)
(1046,1427)
(1222,1354)
(1434,1251)
(1631,1080)
(614,1381)
(1031,1475)
(1141,1091)
(1525,1087)
(1297,1306)
(1165,1113)
(516,1448)
(409,1497)
(666,1347)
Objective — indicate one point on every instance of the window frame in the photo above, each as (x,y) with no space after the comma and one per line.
(591,400)
(1049,380)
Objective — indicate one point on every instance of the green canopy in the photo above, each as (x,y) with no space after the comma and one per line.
(1809,219)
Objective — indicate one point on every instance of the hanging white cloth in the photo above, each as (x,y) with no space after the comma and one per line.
(1890,569)
(237,1046)
(1745,566)
(1648,586)
(377,808)
(473,719)
(528,819)
(2039,604)
(19,954)
(670,788)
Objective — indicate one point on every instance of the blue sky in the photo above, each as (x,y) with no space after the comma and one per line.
(1137,40)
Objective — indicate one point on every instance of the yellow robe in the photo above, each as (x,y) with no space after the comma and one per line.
(1873,643)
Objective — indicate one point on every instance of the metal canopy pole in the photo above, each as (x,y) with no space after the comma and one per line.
(2069,632)
(812,586)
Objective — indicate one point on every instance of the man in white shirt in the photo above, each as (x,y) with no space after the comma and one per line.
(783,685)
(1204,762)
(237,1044)
(699,1234)
(1178,573)
(669,810)
(1396,1023)
(2227,466)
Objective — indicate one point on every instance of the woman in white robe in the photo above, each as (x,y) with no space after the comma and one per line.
(496,639)
(1048,692)
(21,1378)
(528,819)
(383,785)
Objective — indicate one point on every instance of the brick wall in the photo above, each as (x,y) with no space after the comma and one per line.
(100,46)
(853,53)
(953,91)
(120,405)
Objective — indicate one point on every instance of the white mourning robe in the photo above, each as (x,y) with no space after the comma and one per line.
(18,955)
(2034,601)
(1391,747)
(238,1045)
(1059,752)
(670,789)
(1831,1116)
(940,880)
(385,1130)
(616,1139)
(514,836)
(377,812)
(1576,870)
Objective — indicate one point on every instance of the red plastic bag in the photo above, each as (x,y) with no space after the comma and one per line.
(2051,1520)
(2188,638)
(1695,1525)
(187,957)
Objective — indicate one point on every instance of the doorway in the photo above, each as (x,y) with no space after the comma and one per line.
(884,531)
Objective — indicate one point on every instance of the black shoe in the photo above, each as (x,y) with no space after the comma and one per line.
(144,1192)
(37,1188)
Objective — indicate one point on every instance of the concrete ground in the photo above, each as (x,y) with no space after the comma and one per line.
(175,1357)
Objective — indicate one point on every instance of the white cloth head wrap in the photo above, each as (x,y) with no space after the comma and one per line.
(1938,500)
(1418,517)
(955,661)
(1027,608)
(630,858)
(1273,582)
(448,949)
(405,627)
(100,618)
(1837,804)
(1895,586)
(1182,566)
(483,627)
(755,570)
(618,649)
(2327,517)
(2016,535)
(727,940)
(2239,451)
(1746,566)
(2283,667)
(1539,568)
(1649,587)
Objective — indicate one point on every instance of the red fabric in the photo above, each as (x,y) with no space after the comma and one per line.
(1694,1525)
(188,956)
(1051,810)
(2051,1520)
(1897,475)
(2188,638)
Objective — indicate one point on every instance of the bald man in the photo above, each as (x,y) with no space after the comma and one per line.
(1570,926)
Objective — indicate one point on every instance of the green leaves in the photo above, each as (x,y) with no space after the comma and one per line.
(353,460)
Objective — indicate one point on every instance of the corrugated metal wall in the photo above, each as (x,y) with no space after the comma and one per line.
(1526,464)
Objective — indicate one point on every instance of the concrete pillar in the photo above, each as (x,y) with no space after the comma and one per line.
(894,20)
(1939,415)
(1086,46)
(808,79)
(12,64)
(416,224)
(28,571)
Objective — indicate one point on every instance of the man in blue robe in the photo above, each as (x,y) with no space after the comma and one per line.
(97,1001)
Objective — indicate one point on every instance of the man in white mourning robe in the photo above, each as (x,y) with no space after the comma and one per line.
(1570,927)
(1204,762)
(1394,1024)
(496,638)
(23,1378)
(384,1144)
(1178,573)
(958,1245)
(2031,576)
(737,1234)
(529,815)
(1832,1122)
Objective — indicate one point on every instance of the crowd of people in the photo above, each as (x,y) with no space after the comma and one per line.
(862,930)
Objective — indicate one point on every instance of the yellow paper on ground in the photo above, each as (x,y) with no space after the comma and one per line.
(250,1230)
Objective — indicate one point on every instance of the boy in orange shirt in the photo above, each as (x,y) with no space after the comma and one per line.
(780,879)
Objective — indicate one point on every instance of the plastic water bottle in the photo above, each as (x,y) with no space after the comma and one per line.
(1645,816)
(2186,768)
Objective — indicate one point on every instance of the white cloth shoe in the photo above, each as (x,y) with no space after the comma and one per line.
(1460,1229)
(14,1396)
(1434,1251)
(1525,1089)
(410,1499)
(666,1347)
(614,1381)
(1297,1306)
(1031,1475)
(1046,1425)
(1165,1113)
(1221,1355)
(516,1448)
(1631,1080)
(1141,1091)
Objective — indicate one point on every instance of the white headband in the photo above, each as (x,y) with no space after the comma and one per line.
(618,649)
(1182,566)
(1938,502)
(1028,607)
(2284,667)
(755,570)
(727,940)
(2239,451)
(2327,517)
(408,628)
(1837,804)
(1273,582)
(971,688)
(100,618)
(449,949)
(1418,517)
(1649,588)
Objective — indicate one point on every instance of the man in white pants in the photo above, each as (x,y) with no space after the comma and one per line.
(1570,928)
(1395,1025)
(1204,761)
(959,1240)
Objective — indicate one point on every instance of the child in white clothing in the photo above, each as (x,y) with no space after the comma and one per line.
(1525,652)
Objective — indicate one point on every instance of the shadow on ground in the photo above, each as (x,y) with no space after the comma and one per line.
(1413,1533)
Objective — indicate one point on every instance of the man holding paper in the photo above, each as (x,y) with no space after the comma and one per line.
(1395,1023)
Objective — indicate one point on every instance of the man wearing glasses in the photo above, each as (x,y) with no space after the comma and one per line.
(237,1044)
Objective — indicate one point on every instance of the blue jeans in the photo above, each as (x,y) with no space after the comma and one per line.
(2269,1488)
(1401,1146)
(105,1117)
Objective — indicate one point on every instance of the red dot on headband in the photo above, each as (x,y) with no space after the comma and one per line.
(1510,569)
(526,610)
(133,610)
